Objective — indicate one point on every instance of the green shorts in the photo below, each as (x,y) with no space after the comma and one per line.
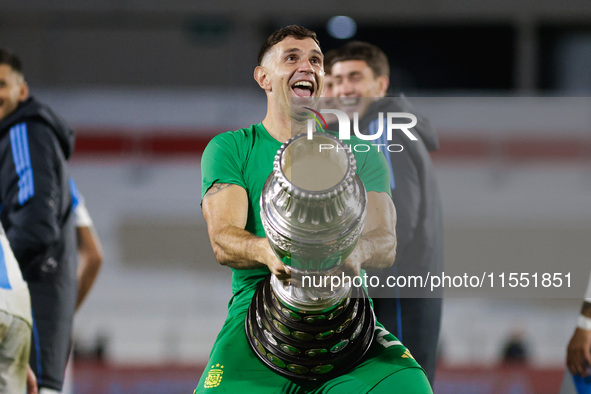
(234,368)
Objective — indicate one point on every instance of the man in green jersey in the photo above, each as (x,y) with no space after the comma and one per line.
(234,168)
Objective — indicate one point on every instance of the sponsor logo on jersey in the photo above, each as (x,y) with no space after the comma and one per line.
(407,354)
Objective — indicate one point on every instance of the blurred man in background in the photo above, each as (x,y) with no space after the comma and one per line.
(90,259)
(359,73)
(35,145)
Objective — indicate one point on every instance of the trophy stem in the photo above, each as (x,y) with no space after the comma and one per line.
(310,295)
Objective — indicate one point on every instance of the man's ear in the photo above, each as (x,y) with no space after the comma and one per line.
(260,75)
(383,85)
(24,91)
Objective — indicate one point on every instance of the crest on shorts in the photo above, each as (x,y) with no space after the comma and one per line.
(214,376)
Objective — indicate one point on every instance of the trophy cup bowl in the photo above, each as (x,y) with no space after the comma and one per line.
(313,211)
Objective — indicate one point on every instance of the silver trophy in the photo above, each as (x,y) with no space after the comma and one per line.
(313,211)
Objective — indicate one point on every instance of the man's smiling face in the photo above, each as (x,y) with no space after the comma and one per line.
(295,70)
(354,80)
(13,90)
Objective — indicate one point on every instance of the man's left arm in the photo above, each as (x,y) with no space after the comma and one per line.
(376,248)
(90,252)
(90,260)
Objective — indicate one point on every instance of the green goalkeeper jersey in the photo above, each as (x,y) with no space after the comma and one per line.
(245,158)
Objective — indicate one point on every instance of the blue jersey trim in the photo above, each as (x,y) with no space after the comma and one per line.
(37,345)
(75,194)
(4,281)
(398,309)
(19,142)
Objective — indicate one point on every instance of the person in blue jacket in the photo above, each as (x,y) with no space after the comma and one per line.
(359,73)
(36,212)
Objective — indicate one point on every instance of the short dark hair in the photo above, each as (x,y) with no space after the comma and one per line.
(375,58)
(295,31)
(9,58)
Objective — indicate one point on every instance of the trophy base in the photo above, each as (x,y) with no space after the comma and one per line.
(307,345)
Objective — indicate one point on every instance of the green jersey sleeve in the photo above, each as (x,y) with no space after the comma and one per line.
(372,167)
(373,170)
(220,162)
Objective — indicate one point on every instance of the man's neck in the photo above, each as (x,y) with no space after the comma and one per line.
(282,127)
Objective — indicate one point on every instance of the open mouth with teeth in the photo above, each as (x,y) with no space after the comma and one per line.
(303,88)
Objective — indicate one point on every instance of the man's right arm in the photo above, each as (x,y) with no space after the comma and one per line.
(578,354)
(225,208)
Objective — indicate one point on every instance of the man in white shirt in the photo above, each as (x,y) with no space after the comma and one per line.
(15,325)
